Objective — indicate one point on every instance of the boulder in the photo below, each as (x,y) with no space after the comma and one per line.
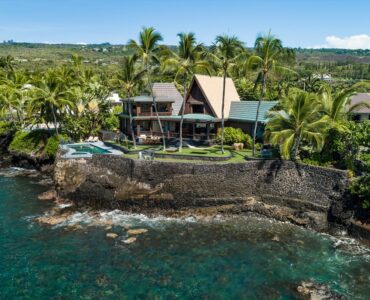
(238,146)
(49,195)
(54,220)
(130,240)
(111,235)
(136,231)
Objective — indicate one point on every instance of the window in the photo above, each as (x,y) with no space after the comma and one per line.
(163,107)
(145,107)
(197,109)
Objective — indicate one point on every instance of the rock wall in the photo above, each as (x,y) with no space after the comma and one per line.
(106,181)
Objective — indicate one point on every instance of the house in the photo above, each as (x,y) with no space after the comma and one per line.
(243,115)
(202,112)
(114,99)
(361,113)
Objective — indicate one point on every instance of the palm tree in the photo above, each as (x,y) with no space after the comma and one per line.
(147,48)
(299,120)
(269,51)
(50,97)
(337,105)
(9,102)
(130,79)
(224,54)
(185,62)
(7,63)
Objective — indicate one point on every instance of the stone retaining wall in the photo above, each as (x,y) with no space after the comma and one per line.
(118,182)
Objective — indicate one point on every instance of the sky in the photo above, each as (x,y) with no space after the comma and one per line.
(299,23)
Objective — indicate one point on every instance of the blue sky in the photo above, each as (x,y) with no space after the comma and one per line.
(304,23)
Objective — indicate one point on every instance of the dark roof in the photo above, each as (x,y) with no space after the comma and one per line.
(166,90)
(358,98)
(246,110)
(163,92)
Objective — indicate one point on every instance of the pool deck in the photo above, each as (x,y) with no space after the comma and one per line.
(70,152)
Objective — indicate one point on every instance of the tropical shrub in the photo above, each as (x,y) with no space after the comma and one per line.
(36,142)
(52,145)
(360,190)
(29,142)
(111,122)
(234,135)
(344,148)
(5,128)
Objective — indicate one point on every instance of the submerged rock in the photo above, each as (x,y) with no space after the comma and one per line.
(52,220)
(136,231)
(316,291)
(49,195)
(111,235)
(130,240)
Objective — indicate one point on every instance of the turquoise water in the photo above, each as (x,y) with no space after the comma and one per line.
(250,258)
(88,148)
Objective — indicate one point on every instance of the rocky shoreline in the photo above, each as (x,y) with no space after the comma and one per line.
(286,209)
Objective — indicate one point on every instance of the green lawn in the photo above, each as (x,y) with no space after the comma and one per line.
(214,151)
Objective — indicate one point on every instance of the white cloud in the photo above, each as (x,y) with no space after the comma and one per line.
(360,41)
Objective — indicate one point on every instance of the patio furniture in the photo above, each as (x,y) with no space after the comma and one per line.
(146,155)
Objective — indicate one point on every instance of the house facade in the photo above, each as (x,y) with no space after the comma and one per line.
(202,114)
(361,113)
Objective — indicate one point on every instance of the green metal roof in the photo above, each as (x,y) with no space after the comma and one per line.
(246,110)
(187,117)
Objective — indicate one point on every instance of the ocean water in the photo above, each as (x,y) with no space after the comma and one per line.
(239,258)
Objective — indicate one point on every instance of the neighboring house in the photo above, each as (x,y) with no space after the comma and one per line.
(203,110)
(361,113)
(114,99)
(323,77)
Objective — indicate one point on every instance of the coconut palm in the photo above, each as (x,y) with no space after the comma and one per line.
(7,63)
(50,98)
(269,52)
(299,120)
(337,105)
(224,54)
(186,62)
(147,49)
(9,103)
(130,79)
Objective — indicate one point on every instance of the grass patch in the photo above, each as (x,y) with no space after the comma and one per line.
(214,151)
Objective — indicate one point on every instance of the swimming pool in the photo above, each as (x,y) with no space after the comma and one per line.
(87,148)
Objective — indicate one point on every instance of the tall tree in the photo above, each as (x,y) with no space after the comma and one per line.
(269,53)
(185,62)
(50,97)
(129,80)
(298,120)
(9,103)
(147,48)
(224,54)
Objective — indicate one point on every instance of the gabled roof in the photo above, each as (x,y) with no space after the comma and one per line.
(359,98)
(163,91)
(212,86)
(246,110)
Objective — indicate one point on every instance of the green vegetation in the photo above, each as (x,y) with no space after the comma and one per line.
(40,143)
(234,135)
(360,189)
(65,88)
